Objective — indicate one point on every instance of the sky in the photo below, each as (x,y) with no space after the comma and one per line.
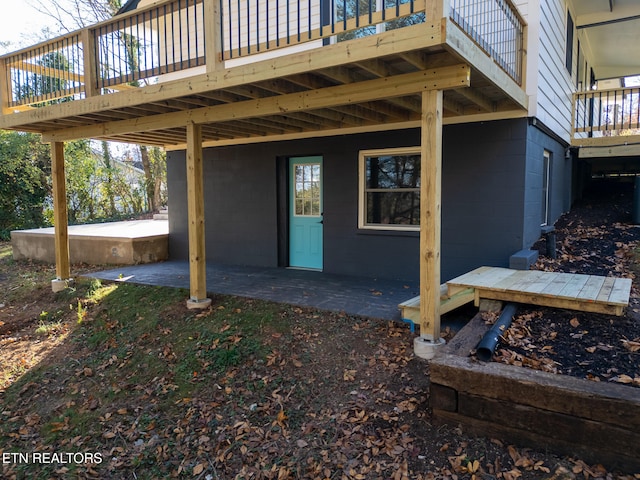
(20,23)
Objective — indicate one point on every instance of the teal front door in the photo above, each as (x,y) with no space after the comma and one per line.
(305,212)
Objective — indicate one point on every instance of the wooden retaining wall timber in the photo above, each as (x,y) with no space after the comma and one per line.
(597,422)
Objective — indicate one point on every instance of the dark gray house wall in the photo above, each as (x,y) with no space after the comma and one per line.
(484,201)
(560,194)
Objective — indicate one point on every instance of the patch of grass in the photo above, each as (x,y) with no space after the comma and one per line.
(72,422)
(96,292)
(7,376)
(6,252)
(50,323)
(49,328)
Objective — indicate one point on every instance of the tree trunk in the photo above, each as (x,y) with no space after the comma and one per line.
(106,157)
(149,184)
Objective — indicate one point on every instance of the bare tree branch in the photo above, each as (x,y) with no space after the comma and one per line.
(73,15)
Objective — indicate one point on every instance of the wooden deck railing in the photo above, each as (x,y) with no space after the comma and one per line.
(272,24)
(606,113)
(137,48)
(50,72)
(150,42)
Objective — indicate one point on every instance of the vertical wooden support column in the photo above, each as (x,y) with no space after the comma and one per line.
(213,35)
(5,87)
(430,198)
(61,235)
(195,206)
(436,10)
(90,63)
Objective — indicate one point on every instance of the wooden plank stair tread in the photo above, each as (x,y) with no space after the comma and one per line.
(410,309)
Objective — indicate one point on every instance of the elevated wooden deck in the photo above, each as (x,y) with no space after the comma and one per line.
(573,291)
(601,133)
(264,78)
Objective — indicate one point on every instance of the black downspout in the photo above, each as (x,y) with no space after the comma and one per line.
(486,347)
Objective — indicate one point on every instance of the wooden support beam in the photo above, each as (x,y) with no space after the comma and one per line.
(612,141)
(631,150)
(478,99)
(430,198)
(195,208)
(60,222)
(442,78)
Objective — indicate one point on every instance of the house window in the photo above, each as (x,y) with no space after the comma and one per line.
(569,46)
(546,175)
(390,189)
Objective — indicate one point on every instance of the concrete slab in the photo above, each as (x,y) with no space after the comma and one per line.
(116,243)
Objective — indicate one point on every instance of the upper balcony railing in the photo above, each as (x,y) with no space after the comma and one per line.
(147,45)
(606,113)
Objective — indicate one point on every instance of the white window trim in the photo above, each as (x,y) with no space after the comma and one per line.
(362,215)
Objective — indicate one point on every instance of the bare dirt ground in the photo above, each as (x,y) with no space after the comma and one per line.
(133,385)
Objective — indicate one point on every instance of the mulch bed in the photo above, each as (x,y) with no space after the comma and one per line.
(597,238)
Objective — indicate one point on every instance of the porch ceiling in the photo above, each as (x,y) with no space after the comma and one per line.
(256,103)
(612,30)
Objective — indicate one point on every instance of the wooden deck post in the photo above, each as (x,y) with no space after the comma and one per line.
(5,88)
(213,35)
(430,197)
(195,206)
(60,221)
(436,10)
(89,58)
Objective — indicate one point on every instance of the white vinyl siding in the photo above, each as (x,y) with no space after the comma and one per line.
(550,84)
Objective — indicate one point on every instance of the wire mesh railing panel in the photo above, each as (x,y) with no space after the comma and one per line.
(497,28)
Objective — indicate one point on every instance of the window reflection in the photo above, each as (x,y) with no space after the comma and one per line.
(307,190)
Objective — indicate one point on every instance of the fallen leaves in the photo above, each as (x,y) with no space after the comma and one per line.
(316,396)
(631,345)
(627,380)
(579,344)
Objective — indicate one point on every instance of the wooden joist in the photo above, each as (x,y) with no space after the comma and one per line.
(410,310)
(411,83)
